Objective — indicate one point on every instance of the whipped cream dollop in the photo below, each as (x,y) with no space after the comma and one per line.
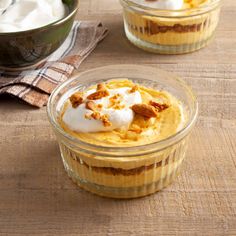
(75,118)
(20,15)
(162,4)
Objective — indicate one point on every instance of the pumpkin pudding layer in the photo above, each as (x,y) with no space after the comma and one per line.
(170,26)
(120,113)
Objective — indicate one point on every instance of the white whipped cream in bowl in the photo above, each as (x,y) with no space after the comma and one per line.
(4,4)
(21,15)
(31,30)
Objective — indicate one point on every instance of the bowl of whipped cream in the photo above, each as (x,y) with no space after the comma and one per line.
(31,30)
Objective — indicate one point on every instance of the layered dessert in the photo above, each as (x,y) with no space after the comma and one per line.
(170,26)
(122,114)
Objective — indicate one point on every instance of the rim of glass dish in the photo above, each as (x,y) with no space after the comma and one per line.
(201,9)
(60,21)
(164,143)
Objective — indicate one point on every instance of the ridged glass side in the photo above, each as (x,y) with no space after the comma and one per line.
(170,35)
(118,182)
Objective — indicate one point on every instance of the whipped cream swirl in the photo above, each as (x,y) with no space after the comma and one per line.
(75,118)
(20,15)
(162,4)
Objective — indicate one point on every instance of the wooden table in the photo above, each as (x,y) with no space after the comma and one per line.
(37,197)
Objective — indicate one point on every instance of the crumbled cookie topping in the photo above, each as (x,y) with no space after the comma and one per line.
(160,107)
(98,95)
(101,86)
(115,103)
(144,110)
(134,89)
(118,107)
(76,99)
(96,115)
(105,120)
(90,105)
(115,97)
(99,106)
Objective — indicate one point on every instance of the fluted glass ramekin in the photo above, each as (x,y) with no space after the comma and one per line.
(170,31)
(123,172)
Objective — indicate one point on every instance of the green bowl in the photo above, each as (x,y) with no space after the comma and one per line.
(30,47)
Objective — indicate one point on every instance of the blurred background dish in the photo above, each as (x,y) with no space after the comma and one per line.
(171,27)
(28,48)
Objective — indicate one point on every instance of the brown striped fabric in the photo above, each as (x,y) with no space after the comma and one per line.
(35,85)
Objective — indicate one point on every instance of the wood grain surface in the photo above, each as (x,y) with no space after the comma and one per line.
(37,197)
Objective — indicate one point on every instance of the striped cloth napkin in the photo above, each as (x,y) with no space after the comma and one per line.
(35,85)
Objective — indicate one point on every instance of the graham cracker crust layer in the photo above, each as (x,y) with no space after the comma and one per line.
(153,28)
(120,171)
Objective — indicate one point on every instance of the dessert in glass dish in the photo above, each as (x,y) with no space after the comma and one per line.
(123,130)
(170,26)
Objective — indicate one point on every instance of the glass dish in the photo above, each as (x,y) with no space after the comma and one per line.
(170,31)
(123,172)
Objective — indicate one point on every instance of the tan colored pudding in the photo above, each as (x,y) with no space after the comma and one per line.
(170,31)
(156,116)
